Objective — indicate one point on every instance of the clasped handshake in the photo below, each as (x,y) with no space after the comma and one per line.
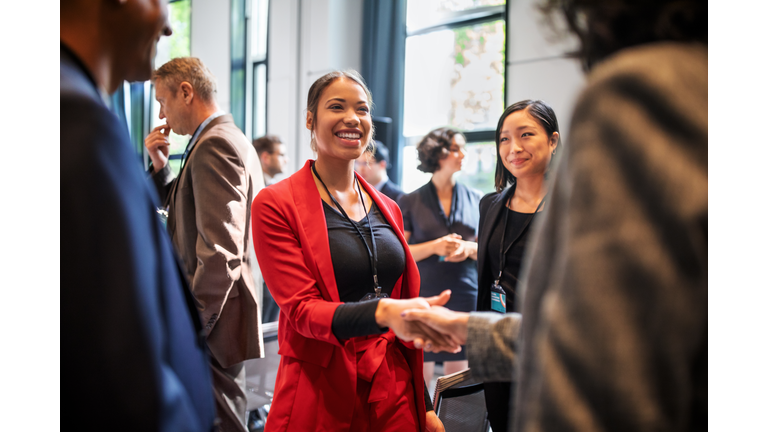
(425,321)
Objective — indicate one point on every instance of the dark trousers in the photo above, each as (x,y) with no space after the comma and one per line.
(229,391)
(269,309)
(497,401)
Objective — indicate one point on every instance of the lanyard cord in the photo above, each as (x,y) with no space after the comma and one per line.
(449,220)
(502,251)
(371,255)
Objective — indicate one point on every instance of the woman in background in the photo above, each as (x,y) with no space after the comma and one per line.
(326,241)
(440,221)
(527,138)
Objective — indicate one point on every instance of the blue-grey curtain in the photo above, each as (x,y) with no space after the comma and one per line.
(138,126)
(383,68)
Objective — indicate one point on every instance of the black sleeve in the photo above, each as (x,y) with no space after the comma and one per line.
(356,319)
(427,400)
(163,180)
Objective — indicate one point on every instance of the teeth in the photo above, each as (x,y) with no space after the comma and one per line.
(348,135)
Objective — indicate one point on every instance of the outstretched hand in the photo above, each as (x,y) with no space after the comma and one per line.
(389,313)
(449,324)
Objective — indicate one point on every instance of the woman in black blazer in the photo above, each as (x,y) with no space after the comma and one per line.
(527,137)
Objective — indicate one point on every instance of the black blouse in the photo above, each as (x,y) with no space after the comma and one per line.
(354,276)
(514,256)
(352,269)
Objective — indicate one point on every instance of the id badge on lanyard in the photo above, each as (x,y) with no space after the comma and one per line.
(498,298)
(498,295)
(377,294)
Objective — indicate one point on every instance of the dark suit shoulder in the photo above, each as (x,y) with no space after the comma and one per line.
(99,144)
(489,199)
(416,195)
(276,193)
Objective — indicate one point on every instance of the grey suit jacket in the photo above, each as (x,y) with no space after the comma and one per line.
(209,220)
(614,335)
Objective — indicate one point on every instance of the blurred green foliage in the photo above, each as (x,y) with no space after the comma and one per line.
(181,20)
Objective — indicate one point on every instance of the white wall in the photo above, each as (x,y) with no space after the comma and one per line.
(209,40)
(307,39)
(536,64)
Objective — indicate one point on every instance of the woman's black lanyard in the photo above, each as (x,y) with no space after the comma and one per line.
(498,295)
(371,254)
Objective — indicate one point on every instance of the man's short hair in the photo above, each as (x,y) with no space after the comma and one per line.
(191,70)
(267,143)
(382,153)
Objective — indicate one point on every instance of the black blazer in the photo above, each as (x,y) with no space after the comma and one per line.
(491,207)
(391,190)
(131,329)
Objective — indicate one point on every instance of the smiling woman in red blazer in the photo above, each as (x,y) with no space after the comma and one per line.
(331,250)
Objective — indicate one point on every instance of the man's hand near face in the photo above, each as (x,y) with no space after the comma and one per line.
(158,146)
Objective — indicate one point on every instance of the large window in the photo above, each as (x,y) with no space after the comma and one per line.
(248,86)
(177,45)
(258,50)
(454,76)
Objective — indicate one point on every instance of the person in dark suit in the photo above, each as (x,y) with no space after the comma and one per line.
(209,205)
(131,329)
(373,168)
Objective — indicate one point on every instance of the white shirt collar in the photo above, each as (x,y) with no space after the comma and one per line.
(205,123)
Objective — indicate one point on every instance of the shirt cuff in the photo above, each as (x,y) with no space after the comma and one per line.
(491,339)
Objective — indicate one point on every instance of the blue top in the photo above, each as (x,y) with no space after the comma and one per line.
(424,217)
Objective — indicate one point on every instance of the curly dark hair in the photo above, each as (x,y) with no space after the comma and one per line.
(434,147)
(607,26)
(544,114)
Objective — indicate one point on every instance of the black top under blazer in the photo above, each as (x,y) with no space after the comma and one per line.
(491,207)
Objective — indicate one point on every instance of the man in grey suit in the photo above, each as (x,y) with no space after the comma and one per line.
(209,214)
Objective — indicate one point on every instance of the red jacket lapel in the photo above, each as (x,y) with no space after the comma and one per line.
(411,280)
(309,207)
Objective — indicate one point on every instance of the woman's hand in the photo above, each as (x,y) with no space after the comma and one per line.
(389,314)
(446,245)
(449,324)
(433,423)
(465,250)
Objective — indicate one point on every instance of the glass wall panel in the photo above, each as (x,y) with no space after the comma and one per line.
(477,170)
(259,30)
(260,100)
(454,78)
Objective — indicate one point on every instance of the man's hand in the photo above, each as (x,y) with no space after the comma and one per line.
(389,314)
(158,146)
(433,423)
(451,325)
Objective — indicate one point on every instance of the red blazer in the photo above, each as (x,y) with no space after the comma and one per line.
(317,376)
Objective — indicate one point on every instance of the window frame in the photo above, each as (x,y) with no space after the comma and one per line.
(450,21)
